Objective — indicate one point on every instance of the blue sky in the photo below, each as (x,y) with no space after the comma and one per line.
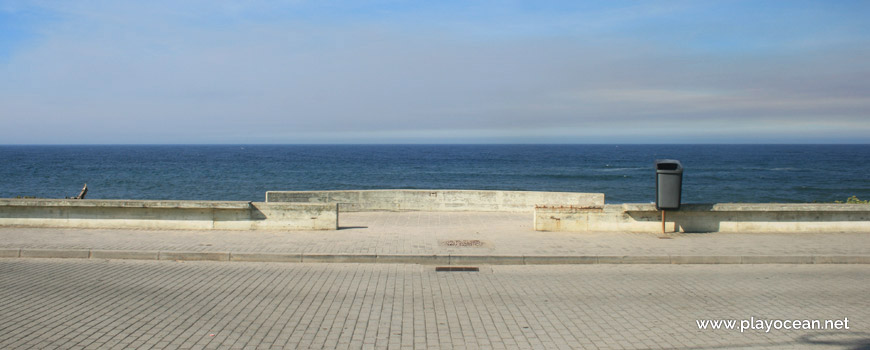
(434,72)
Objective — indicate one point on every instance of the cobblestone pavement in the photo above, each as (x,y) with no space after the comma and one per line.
(431,232)
(87,304)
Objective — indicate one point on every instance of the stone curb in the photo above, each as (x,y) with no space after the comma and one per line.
(266,257)
(706,259)
(195,256)
(486,259)
(424,259)
(10,253)
(125,254)
(414,259)
(559,260)
(774,259)
(635,259)
(55,253)
(340,258)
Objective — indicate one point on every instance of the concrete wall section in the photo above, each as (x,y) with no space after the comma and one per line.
(438,200)
(731,217)
(564,219)
(195,215)
(294,216)
(123,203)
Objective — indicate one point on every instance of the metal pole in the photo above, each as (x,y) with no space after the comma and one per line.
(663,221)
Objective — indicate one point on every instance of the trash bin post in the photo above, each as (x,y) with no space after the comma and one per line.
(663,221)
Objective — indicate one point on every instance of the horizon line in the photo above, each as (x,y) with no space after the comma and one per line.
(432,144)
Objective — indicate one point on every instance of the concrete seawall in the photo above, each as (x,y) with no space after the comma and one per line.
(438,200)
(553,211)
(167,214)
(728,217)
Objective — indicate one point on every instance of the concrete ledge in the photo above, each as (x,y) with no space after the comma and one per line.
(123,203)
(10,253)
(190,215)
(266,257)
(437,200)
(194,256)
(294,216)
(727,217)
(56,253)
(125,254)
(753,207)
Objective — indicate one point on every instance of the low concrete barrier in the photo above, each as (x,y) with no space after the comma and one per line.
(293,216)
(167,214)
(438,200)
(729,217)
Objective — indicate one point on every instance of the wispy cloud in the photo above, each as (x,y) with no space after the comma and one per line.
(270,72)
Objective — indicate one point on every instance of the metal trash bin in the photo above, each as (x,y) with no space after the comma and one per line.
(669,183)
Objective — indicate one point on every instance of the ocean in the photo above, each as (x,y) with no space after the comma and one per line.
(624,173)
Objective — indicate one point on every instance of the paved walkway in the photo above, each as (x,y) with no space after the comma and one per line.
(94,304)
(440,233)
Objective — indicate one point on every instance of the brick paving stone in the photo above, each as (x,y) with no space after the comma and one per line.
(219,305)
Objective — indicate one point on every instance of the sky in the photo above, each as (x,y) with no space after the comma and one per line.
(297,72)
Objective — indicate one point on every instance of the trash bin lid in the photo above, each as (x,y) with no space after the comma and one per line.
(668,165)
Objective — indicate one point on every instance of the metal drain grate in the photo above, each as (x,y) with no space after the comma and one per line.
(456,268)
(463,243)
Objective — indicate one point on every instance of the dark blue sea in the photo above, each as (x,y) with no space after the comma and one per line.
(624,173)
